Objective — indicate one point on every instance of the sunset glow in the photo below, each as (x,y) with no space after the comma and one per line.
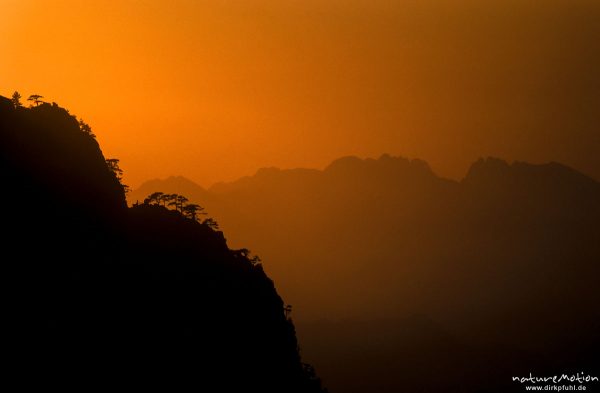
(213,90)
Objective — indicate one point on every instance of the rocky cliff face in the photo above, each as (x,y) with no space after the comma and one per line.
(105,295)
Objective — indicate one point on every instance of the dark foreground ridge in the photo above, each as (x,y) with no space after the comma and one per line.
(105,295)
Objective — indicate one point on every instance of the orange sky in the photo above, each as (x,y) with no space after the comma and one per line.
(213,90)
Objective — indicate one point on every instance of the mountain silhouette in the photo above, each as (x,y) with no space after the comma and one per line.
(105,296)
(504,261)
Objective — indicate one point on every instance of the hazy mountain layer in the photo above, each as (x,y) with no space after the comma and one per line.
(504,261)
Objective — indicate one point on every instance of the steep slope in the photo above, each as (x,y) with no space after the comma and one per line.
(102,295)
(504,261)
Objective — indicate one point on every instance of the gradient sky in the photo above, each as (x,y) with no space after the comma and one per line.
(213,90)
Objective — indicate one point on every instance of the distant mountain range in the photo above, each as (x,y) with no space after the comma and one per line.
(507,258)
(392,213)
(400,280)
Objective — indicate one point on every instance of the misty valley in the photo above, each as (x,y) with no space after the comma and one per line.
(396,273)
(315,196)
(371,275)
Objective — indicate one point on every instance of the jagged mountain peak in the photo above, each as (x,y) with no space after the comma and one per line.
(492,170)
